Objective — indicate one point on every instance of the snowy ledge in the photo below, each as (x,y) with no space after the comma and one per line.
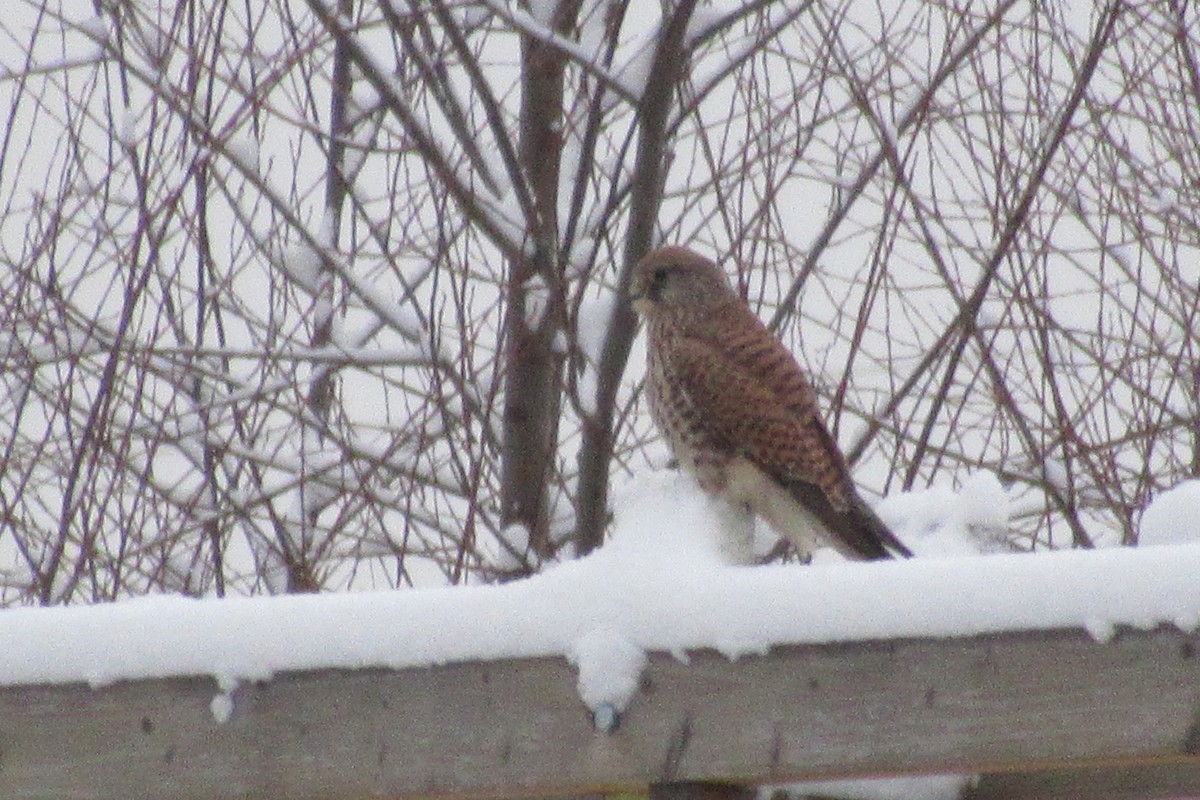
(657,587)
(1005,665)
(734,610)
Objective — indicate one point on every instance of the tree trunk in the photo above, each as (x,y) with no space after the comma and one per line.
(650,171)
(533,380)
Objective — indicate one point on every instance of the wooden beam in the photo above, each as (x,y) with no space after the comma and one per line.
(700,790)
(1012,702)
(1135,781)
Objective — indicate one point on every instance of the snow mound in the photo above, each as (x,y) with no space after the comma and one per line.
(1172,517)
(940,522)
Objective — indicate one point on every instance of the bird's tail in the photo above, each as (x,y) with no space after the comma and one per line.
(853,528)
(868,535)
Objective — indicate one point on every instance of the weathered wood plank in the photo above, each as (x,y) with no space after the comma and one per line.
(1136,781)
(1006,702)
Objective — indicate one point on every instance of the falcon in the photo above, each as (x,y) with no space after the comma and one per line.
(739,414)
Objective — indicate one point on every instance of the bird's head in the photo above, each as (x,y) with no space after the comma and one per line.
(677,280)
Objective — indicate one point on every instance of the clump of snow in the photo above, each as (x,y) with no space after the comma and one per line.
(474,16)
(939,522)
(1100,629)
(537,301)
(984,501)
(1056,474)
(559,344)
(127,133)
(543,10)
(1172,517)
(244,150)
(706,17)
(610,667)
(365,96)
(302,264)
(1166,201)
(95,28)
(593,321)
(920,787)
(507,552)
(635,72)
(221,707)
(663,521)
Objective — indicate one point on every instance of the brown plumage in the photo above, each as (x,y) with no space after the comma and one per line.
(739,414)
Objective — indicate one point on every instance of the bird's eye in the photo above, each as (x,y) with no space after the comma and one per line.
(658,278)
